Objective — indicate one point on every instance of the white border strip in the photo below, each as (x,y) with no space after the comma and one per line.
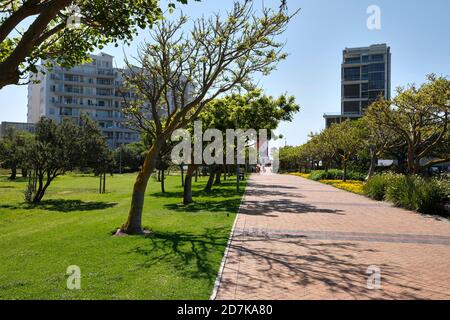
(227,249)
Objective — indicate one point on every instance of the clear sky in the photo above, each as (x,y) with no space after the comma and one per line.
(417,31)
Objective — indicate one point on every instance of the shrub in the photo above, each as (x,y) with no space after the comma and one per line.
(376,186)
(326,175)
(335,174)
(29,193)
(416,193)
(355,175)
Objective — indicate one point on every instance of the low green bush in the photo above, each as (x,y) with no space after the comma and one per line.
(354,175)
(335,174)
(325,175)
(416,193)
(376,186)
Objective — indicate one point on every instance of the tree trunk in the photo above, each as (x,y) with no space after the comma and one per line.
(182,175)
(159,175)
(417,166)
(373,163)
(104,182)
(411,162)
(13,173)
(37,194)
(196,175)
(237,178)
(163,188)
(41,189)
(187,194)
(210,179)
(224,169)
(24,173)
(133,225)
(344,178)
(218,176)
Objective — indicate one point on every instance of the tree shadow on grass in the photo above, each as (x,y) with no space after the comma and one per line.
(195,256)
(230,205)
(61,205)
(225,190)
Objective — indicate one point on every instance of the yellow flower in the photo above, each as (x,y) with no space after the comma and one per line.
(302,175)
(350,185)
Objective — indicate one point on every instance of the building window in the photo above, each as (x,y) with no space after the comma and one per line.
(65,111)
(351,107)
(351,91)
(364,72)
(376,57)
(376,67)
(352,74)
(377,76)
(353,60)
(376,85)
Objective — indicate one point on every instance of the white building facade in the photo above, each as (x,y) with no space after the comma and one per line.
(92,88)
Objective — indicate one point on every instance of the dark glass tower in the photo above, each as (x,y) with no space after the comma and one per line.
(365,75)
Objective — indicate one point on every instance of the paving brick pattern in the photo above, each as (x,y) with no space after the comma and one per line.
(299,239)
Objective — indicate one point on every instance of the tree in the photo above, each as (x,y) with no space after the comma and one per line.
(291,158)
(252,110)
(442,153)
(379,140)
(58,148)
(180,74)
(322,147)
(419,116)
(130,157)
(256,111)
(95,151)
(347,138)
(66,30)
(14,147)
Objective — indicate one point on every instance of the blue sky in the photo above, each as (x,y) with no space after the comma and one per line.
(417,31)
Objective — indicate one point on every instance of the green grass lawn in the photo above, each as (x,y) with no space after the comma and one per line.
(73,226)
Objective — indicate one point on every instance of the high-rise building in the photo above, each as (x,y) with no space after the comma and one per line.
(92,88)
(365,76)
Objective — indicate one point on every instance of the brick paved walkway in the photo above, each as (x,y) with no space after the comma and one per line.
(299,239)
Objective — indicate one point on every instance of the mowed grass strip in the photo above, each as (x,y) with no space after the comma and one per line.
(73,226)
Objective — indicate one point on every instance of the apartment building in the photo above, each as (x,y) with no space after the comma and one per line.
(91,88)
(365,75)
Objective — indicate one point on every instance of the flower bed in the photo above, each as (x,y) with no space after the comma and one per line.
(350,185)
